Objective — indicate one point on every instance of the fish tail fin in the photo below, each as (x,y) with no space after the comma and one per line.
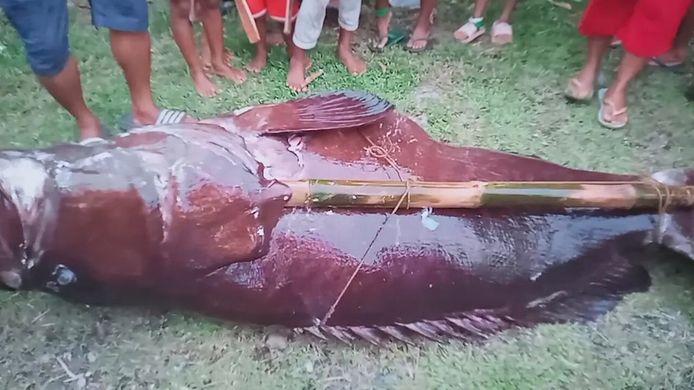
(676,229)
(599,286)
(320,111)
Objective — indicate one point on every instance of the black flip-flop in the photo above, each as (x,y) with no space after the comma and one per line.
(428,46)
(674,68)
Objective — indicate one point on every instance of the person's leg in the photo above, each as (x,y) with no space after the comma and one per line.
(277,11)
(349,11)
(211,17)
(647,34)
(184,36)
(261,48)
(474,27)
(287,38)
(66,89)
(259,11)
(686,31)
(43,28)
(309,23)
(582,86)
(128,21)
(384,15)
(680,48)
(206,53)
(507,12)
(615,98)
(600,23)
(422,29)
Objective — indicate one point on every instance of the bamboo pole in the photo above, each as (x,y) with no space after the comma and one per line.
(387,194)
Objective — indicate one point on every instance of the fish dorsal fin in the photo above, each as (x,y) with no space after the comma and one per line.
(317,112)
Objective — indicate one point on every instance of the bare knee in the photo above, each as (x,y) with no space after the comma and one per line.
(180,9)
(209,5)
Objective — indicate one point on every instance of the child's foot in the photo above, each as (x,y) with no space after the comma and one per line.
(582,87)
(420,39)
(228,55)
(234,74)
(204,86)
(275,39)
(418,43)
(207,57)
(258,63)
(296,78)
(354,64)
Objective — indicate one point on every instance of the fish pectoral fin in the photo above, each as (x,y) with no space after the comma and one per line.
(317,112)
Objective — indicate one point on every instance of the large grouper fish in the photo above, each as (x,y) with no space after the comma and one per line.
(198,217)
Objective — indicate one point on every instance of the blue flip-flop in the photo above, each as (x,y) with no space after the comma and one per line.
(609,125)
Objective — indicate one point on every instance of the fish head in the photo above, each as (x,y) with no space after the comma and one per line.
(11,244)
(675,229)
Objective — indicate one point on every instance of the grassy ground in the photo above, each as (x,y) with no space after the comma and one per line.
(508,99)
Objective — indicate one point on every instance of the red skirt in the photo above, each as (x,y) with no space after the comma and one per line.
(647,28)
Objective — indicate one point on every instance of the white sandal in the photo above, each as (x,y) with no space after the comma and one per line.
(502,33)
(469,31)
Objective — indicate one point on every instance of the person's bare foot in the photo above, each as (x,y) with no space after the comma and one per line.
(587,77)
(355,65)
(275,38)
(89,126)
(206,57)
(421,33)
(229,72)
(228,55)
(259,61)
(204,86)
(420,38)
(296,77)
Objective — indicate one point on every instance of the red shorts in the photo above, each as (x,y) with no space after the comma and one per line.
(276,8)
(647,28)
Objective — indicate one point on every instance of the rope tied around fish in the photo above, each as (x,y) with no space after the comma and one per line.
(665,199)
(376,151)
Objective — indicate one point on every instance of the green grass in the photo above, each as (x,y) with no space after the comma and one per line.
(509,99)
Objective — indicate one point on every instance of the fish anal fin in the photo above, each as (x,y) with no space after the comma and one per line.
(317,112)
(589,298)
(340,334)
(605,276)
(369,334)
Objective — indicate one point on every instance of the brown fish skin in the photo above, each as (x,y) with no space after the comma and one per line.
(192,217)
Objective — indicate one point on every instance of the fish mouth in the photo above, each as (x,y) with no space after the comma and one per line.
(11,279)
